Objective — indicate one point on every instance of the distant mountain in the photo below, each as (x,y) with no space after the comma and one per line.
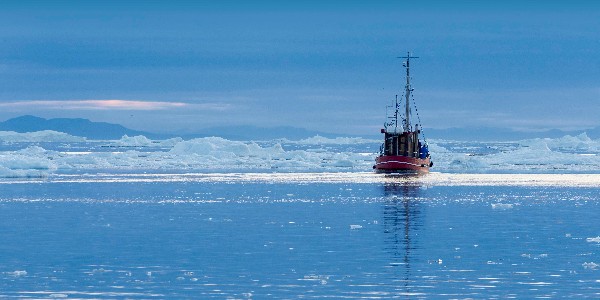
(503,134)
(108,131)
(261,133)
(76,127)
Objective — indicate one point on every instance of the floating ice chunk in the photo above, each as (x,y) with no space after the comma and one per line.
(593,240)
(579,143)
(590,265)
(501,206)
(134,141)
(343,163)
(467,163)
(100,271)
(540,283)
(319,140)
(435,148)
(142,141)
(315,277)
(170,142)
(31,162)
(38,136)
(8,173)
(578,153)
(534,145)
(17,273)
(222,148)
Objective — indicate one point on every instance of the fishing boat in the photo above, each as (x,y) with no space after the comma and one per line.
(402,152)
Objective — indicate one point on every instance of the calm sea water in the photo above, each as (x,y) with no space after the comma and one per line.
(351,236)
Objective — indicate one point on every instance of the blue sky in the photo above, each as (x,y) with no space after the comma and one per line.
(180,66)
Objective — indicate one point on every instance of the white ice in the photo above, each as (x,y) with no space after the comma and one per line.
(569,154)
(38,136)
(319,140)
(593,240)
(142,141)
(566,154)
(29,162)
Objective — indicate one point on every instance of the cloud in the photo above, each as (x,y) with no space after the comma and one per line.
(94,105)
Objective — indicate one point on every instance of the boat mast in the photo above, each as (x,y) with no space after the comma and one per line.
(408,90)
(396,116)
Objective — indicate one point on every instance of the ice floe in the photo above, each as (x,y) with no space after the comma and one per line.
(569,154)
(211,153)
(17,273)
(593,240)
(501,206)
(590,265)
(566,154)
(215,152)
(31,162)
(574,143)
(142,141)
(319,140)
(38,136)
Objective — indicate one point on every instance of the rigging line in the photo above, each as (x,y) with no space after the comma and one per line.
(418,118)
(400,105)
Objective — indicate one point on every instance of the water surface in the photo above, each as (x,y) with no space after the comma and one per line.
(305,235)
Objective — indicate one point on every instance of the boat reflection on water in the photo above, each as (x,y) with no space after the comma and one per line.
(402,219)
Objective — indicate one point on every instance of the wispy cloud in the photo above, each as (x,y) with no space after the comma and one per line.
(93,104)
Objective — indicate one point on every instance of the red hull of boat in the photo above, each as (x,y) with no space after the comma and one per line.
(401,164)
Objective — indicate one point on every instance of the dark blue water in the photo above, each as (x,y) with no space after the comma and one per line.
(290,240)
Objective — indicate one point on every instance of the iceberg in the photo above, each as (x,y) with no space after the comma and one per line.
(566,154)
(319,140)
(220,147)
(142,141)
(31,162)
(578,154)
(134,141)
(579,143)
(38,136)
(216,152)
